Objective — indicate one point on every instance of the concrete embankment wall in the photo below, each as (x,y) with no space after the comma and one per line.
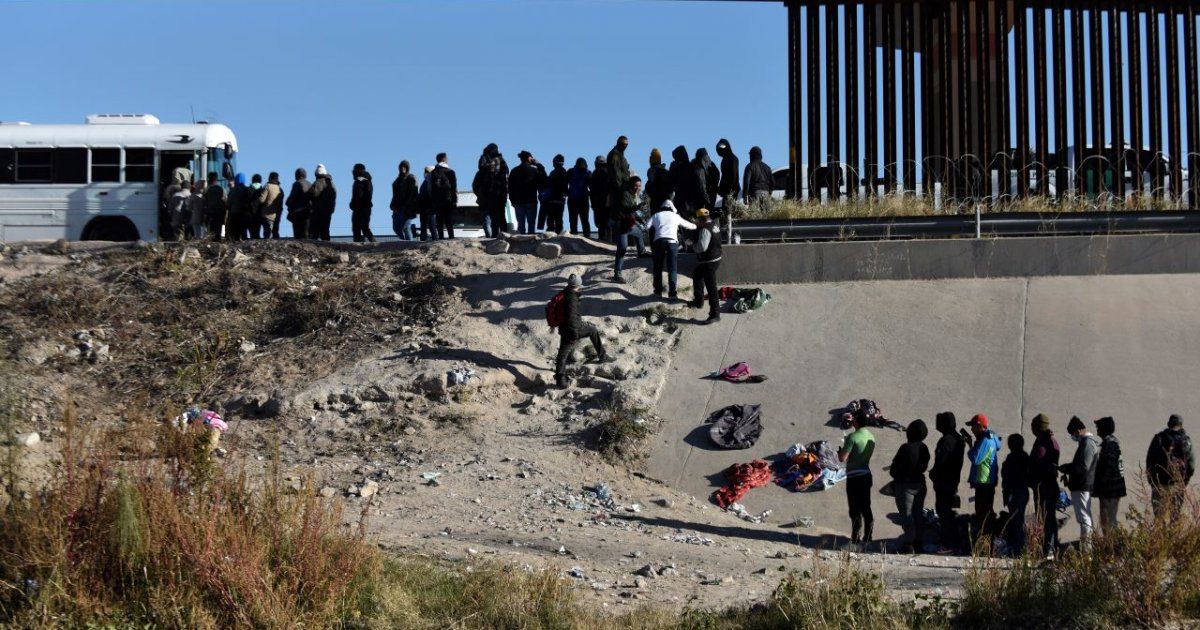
(776,263)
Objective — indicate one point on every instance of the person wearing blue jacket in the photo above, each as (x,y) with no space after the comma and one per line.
(985,471)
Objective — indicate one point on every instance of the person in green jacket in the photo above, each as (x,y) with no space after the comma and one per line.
(856,451)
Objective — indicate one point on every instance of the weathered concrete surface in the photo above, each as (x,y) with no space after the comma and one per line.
(962,258)
(1111,345)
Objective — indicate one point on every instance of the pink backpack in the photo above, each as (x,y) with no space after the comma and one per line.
(740,373)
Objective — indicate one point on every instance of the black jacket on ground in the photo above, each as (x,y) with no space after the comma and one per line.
(912,458)
(524,182)
(730,184)
(1110,470)
(362,194)
(948,455)
(758,177)
(404,196)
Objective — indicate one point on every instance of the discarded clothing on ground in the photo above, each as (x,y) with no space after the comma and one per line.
(868,414)
(206,417)
(459,375)
(812,467)
(741,512)
(738,373)
(735,426)
(741,478)
(745,299)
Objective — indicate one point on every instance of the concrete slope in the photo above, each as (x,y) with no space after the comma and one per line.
(1116,345)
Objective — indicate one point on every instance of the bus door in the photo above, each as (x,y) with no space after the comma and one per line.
(169,170)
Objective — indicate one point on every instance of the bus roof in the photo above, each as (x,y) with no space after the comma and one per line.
(114,131)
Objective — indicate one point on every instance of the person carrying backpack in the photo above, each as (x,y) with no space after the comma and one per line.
(361,202)
(1170,464)
(564,314)
(216,208)
(443,195)
(491,190)
(299,205)
(1110,474)
(708,259)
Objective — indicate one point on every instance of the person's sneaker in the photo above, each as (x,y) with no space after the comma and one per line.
(658,295)
(560,381)
(604,358)
(618,278)
(673,296)
(643,254)
(712,319)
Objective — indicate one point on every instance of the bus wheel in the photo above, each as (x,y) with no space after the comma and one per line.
(110,229)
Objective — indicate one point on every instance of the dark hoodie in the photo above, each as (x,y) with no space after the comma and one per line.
(712,176)
(491,180)
(620,190)
(680,168)
(298,202)
(912,459)
(758,177)
(404,193)
(1043,465)
(598,184)
(1110,470)
(730,185)
(948,454)
(362,192)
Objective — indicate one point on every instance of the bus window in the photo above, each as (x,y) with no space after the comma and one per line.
(7,166)
(70,166)
(223,166)
(139,165)
(106,165)
(34,166)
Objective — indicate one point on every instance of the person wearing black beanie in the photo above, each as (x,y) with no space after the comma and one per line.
(1110,474)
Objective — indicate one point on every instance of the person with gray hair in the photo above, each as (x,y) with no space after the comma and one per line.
(564,312)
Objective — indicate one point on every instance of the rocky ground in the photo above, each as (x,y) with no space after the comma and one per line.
(356,403)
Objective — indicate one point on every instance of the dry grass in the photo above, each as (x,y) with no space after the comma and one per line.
(176,330)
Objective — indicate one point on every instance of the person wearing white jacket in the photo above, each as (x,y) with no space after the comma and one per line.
(665,226)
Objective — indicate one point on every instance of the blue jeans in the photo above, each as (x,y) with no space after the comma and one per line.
(666,254)
(622,239)
(404,228)
(526,217)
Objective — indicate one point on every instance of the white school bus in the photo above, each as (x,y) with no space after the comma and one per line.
(104,179)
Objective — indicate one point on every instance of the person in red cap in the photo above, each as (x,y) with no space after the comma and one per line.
(985,472)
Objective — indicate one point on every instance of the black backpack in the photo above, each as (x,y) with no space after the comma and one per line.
(440,190)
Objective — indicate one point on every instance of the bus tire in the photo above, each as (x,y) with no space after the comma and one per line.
(110,229)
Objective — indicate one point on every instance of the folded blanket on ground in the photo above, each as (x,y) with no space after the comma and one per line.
(741,479)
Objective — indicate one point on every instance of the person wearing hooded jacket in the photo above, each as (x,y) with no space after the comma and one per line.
(324,199)
(1043,479)
(443,193)
(758,179)
(523,184)
(404,202)
(712,178)
(1081,475)
(577,197)
(708,259)
(361,201)
(236,227)
(1014,489)
(730,184)
(573,330)
(598,191)
(1110,474)
(621,201)
(299,205)
(425,208)
(658,181)
(946,475)
(908,480)
(554,202)
(985,469)
(1170,464)
(491,190)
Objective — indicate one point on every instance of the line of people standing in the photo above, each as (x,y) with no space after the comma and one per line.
(1096,471)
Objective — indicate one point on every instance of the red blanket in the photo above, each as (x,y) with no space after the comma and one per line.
(742,478)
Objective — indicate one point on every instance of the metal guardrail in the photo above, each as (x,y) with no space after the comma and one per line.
(985,225)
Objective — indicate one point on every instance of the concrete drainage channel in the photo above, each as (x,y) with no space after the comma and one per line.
(779,263)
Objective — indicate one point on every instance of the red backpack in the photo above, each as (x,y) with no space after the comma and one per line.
(556,310)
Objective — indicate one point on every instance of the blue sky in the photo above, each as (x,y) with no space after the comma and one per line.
(377,82)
